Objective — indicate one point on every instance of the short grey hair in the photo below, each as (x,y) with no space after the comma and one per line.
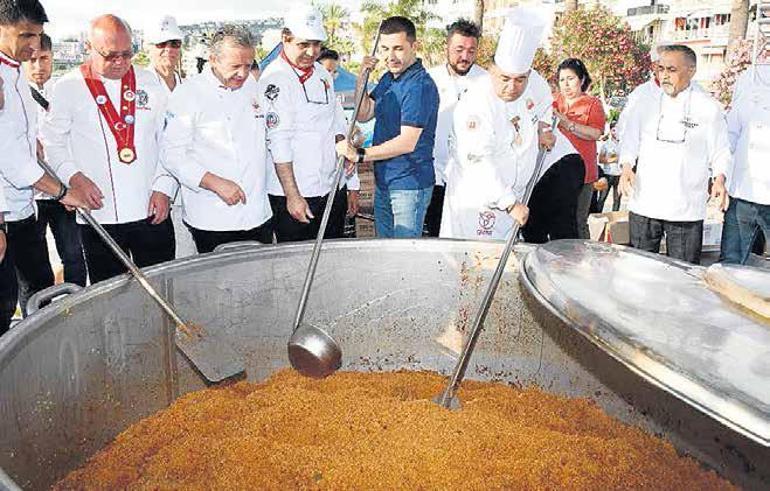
(231,34)
(685,51)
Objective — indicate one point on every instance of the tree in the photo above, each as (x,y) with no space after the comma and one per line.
(141,59)
(739,22)
(374,13)
(604,42)
(478,14)
(334,16)
(738,60)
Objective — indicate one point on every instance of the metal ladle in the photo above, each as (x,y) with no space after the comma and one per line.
(312,351)
(448,398)
(214,359)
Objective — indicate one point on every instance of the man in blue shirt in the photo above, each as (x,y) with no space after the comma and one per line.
(405,105)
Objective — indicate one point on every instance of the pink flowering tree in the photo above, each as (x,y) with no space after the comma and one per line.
(605,43)
(738,60)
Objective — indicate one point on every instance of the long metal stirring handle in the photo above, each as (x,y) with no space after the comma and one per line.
(462,363)
(329,202)
(140,277)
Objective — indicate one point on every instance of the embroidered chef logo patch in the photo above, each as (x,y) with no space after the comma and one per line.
(271,92)
(486,223)
(142,99)
(272,120)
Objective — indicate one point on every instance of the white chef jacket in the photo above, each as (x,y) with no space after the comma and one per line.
(748,126)
(163,82)
(18,142)
(210,128)
(46,93)
(536,105)
(76,139)
(647,93)
(301,127)
(451,88)
(486,175)
(675,141)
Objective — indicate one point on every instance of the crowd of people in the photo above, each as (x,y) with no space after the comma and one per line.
(249,155)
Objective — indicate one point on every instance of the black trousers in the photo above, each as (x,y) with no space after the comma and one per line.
(145,243)
(208,240)
(25,269)
(434,213)
(66,234)
(287,229)
(684,240)
(553,204)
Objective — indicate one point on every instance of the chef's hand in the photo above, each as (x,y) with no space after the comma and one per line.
(75,197)
(3,245)
(627,179)
(547,139)
(299,209)
(345,149)
(353,202)
(520,213)
(158,207)
(719,192)
(81,186)
(230,192)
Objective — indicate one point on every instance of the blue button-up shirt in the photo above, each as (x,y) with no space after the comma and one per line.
(408,100)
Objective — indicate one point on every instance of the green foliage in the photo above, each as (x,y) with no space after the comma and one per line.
(141,59)
(334,18)
(615,60)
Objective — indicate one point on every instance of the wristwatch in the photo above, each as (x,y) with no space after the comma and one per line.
(62,192)
(361,155)
(571,127)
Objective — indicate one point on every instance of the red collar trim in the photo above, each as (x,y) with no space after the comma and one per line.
(304,73)
(7,60)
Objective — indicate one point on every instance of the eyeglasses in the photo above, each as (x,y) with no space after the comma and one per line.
(326,95)
(113,57)
(174,43)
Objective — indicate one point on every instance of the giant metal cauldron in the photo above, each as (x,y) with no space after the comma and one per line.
(75,374)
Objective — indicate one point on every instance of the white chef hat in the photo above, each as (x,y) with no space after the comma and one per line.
(519,40)
(164,29)
(306,22)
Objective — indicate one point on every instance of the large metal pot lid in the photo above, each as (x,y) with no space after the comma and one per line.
(658,317)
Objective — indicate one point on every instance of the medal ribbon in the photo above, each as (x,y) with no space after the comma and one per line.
(121,126)
(304,73)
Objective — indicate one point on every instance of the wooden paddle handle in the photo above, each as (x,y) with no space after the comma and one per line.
(719,281)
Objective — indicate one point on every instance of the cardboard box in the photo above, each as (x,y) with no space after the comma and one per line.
(364,228)
(712,235)
(610,227)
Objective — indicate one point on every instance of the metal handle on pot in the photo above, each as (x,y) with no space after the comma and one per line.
(241,244)
(37,300)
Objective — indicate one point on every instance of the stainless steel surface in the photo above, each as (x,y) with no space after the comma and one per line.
(312,351)
(213,358)
(37,300)
(448,398)
(77,373)
(658,317)
(236,245)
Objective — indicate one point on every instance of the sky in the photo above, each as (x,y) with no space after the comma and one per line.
(69,17)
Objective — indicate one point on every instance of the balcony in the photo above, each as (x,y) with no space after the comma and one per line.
(647,10)
(715,34)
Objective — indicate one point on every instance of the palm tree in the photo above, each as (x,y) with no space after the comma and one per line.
(333,15)
(739,21)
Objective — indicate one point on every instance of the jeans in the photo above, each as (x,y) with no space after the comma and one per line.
(145,243)
(66,234)
(684,240)
(400,213)
(743,222)
(208,240)
(584,199)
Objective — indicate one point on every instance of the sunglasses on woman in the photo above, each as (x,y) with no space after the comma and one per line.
(176,43)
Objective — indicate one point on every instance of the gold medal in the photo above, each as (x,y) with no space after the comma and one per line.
(126,155)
